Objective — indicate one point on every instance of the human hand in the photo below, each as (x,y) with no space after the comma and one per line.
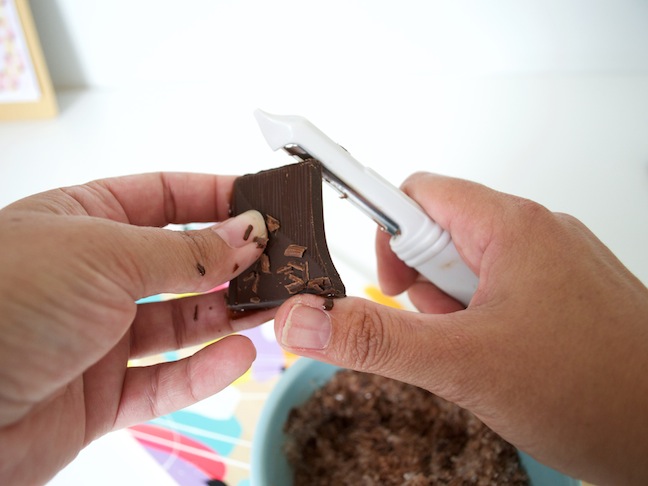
(551,352)
(72,264)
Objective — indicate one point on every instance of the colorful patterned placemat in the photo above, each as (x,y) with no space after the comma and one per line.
(209,443)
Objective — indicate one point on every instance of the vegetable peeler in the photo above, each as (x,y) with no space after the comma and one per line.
(415,238)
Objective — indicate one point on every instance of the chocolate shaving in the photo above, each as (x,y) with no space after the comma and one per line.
(328,304)
(272,224)
(319,284)
(265,263)
(201,269)
(295,287)
(294,278)
(248,230)
(296,266)
(315,287)
(294,251)
(253,277)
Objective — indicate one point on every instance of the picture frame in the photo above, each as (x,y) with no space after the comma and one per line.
(26,90)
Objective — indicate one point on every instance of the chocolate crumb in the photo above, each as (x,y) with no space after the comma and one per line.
(195,316)
(236,267)
(215,482)
(294,251)
(272,224)
(201,269)
(328,304)
(248,230)
(260,241)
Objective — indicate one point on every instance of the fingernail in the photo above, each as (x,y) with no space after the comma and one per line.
(247,227)
(307,328)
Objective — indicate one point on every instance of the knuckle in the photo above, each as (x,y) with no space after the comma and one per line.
(189,375)
(365,346)
(179,323)
(195,242)
(524,223)
(532,211)
(199,251)
(443,356)
(151,393)
(571,222)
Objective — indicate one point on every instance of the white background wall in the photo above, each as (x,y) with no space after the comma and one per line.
(119,43)
(547,99)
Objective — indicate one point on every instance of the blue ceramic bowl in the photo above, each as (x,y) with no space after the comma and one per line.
(269,466)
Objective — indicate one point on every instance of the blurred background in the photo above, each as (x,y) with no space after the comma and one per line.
(546,99)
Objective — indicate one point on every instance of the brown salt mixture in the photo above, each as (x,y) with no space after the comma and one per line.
(364,429)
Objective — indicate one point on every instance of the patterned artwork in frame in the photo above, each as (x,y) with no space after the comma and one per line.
(25,86)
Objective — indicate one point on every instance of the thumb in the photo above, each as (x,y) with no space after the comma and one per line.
(434,352)
(156,260)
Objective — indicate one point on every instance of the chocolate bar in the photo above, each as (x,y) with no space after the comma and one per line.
(296,257)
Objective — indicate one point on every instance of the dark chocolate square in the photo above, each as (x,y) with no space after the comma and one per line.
(296,258)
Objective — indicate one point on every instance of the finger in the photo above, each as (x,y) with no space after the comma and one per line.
(155,199)
(470,212)
(180,323)
(153,391)
(148,261)
(434,352)
(394,276)
(429,299)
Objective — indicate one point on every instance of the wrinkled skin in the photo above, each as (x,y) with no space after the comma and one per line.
(73,263)
(551,352)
